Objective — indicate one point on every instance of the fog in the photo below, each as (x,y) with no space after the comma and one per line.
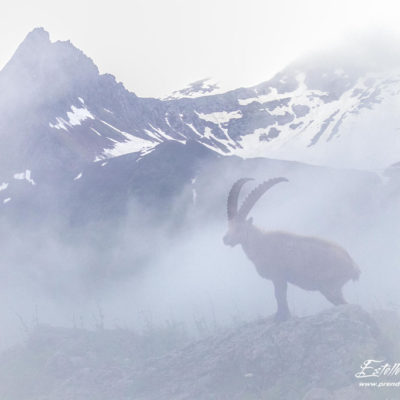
(146,267)
(239,44)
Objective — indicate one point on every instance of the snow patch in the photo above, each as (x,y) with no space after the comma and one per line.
(274,95)
(202,87)
(61,124)
(96,132)
(78,115)
(79,176)
(145,153)
(164,135)
(131,144)
(194,192)
(221,117)
(191,126)
(3,186)
(5,201)
(75,117)
(25,176)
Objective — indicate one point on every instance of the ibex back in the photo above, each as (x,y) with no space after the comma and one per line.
(283,257)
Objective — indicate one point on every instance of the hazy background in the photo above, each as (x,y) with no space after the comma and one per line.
(142,268)
(155,47)
(50,272)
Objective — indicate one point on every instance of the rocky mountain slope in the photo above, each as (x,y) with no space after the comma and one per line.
(313,357)
(54,97)
(59,117)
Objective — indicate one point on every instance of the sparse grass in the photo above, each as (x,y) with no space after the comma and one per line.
(54,357)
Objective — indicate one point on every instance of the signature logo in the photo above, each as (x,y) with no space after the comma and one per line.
(377,369)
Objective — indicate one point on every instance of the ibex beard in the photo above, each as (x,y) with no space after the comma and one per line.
(282,257)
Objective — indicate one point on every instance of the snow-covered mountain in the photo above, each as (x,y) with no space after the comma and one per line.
(311,113)
(60,120)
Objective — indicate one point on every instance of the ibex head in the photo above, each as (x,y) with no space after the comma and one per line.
(237,218)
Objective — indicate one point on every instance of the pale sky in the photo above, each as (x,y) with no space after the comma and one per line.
(157,46)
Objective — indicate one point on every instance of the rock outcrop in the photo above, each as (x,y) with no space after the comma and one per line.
(309,358)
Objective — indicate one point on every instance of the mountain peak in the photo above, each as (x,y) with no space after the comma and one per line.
(43,70)
(38,34)
(37,51)
(36,42)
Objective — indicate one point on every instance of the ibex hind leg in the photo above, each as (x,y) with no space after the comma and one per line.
(334,295)
(283,312)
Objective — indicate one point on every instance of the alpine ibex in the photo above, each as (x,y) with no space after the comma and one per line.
(283,257)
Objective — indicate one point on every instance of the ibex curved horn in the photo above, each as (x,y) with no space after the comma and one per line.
(254,195)
(233,197)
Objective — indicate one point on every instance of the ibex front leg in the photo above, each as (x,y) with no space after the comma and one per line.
(283,312)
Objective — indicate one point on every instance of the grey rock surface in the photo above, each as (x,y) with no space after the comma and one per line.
(307,358)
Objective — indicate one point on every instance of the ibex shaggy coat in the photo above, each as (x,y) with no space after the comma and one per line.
(283,257)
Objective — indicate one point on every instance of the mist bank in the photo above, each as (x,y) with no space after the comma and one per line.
(149,241)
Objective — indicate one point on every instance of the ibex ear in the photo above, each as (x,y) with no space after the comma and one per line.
(250,221)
